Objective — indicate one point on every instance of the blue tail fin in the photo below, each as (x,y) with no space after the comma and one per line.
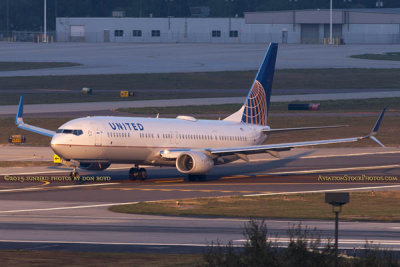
(256,106)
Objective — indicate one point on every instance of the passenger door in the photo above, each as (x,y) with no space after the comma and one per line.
(98,137)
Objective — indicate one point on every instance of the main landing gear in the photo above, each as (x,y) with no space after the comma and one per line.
(196,177)
(137,173)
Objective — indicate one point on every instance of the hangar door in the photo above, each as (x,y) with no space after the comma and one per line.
(309,33)
(77,33)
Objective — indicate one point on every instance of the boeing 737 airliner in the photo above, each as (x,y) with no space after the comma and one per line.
(193,146)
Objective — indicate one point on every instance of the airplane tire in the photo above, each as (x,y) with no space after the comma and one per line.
(142,174)
(196,177)
(133,174)
(192,178)
(75,175)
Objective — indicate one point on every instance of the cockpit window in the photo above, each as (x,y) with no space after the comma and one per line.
(67,131)
(77,132)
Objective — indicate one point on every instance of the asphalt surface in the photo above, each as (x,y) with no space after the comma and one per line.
(118,58)
(64,215)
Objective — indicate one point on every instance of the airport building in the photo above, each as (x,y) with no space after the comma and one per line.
(295,26)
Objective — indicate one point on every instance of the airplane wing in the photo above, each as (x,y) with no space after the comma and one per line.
(271,148)
(285,146)
(19,121)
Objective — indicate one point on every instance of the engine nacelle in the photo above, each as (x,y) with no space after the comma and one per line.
(94,166)
(194,162)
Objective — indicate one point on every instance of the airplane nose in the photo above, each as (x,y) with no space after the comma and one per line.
(55,141)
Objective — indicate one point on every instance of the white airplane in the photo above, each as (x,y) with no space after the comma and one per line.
(193,146)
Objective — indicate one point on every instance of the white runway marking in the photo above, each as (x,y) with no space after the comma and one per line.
(31,173)
(335,170)
(105,243)
(59,187)
(70,207)
(60,171)
(324,190)
(84,185)
(341,241)
(21,189)
(278,240)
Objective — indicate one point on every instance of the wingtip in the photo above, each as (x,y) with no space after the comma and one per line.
(377,125)
(20,112)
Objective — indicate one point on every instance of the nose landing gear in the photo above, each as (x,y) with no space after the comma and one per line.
(137,173)
(74,175)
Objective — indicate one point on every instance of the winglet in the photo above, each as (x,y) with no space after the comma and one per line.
(20,114)
(375,129)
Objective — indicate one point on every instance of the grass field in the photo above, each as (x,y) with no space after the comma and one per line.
(376,206)
(65,258)
(11,66)
(284,79)
(385,56)
(102,96)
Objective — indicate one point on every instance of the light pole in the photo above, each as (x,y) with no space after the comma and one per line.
(7,17)
(337,200)
(168,6)
(45,22)
(330,24)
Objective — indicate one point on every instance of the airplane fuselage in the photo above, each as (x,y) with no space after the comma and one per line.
(140,140)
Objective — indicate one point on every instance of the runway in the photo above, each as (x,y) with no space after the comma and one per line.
(106,231)
(158,58)
(54,216)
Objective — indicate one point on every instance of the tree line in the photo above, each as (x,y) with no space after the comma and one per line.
(20,15)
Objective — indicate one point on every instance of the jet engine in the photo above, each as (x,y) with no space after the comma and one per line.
(94,166)
(194,162)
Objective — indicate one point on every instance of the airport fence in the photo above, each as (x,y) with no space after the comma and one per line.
(191,37)
(223,37)
(170,37)
(27,36)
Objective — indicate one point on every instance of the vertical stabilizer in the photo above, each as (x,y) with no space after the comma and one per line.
(256,106)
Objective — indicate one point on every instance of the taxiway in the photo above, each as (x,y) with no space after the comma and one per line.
(68,216)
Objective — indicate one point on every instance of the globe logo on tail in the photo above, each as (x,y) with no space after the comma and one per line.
(255,110)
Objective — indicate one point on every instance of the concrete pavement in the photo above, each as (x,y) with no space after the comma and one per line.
(118,58)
